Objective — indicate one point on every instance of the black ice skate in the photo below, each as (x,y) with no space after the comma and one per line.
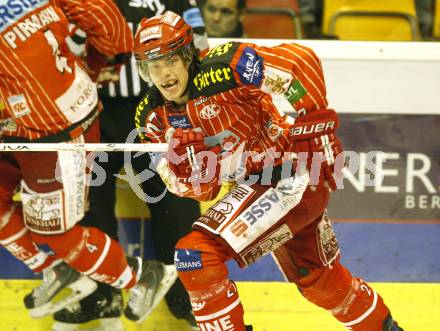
(391,325)
(192,321)
(105,305)
(154,281)
(61,276)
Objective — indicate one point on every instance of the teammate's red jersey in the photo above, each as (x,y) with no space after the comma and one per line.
(42,86)
(230,99)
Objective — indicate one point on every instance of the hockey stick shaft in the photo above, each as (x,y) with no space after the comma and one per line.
(50,147)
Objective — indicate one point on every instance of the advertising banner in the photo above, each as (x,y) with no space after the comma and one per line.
(393,169)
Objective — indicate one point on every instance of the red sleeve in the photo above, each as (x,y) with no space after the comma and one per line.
(291,70)
(152,128)
(106,28)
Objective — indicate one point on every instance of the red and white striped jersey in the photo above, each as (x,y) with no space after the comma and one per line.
(43,88)
(232,94)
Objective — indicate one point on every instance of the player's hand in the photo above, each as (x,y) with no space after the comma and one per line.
(314,124)
(323,154)
(189,157)
(108,75)
(104,69)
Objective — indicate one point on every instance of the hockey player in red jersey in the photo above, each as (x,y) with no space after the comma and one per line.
(116,122)
(220,121)
(47,95)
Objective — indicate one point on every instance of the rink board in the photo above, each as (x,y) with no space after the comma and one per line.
(379,252)
(270,306)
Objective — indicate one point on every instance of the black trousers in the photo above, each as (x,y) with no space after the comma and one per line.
(171,216)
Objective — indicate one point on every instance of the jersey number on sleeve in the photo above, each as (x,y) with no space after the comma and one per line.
(60,61)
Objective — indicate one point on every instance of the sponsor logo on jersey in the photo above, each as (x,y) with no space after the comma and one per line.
(140,106)
(219,211)
(154,5)
(239,228)
(222,207)
(250,67)
(276,81)
(8,125)
(268,244)
(20,252)
(210,111)
(220,50)
(261,206)
(206,79)
(85,97)
(180,121)
(138,116)
(196,306)
(188,259)
(295,92)
(77,198)
(224,323)
(276,84)
(329,247)
(242,193)
(219,214)
(273,130)
(19,105)
(42,213)
(257,219)
(80,98)
(200,101)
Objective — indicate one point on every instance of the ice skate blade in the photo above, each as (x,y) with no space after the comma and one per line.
(81,288)
(169,277)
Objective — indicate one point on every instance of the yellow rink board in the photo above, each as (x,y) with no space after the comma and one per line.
(270,306)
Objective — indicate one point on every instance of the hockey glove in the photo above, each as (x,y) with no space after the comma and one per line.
(322,153)
(190,158)
(314,124)
(103,69)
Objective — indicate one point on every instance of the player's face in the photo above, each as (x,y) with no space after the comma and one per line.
(170,75)
(221,17)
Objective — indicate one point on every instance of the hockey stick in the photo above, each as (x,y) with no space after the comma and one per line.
(50,147)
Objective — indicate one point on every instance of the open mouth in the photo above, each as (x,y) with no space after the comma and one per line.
(169,85)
